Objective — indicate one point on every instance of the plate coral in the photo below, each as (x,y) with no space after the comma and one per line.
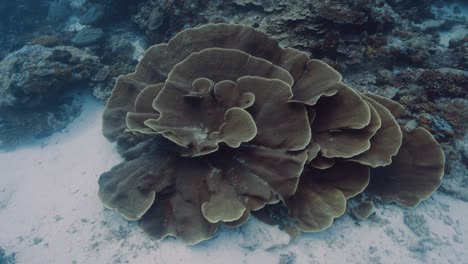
(222,121)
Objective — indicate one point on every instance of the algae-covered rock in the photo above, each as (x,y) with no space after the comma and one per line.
(363,210)
(93,15)
(35,75)
(88,36)
(35,86)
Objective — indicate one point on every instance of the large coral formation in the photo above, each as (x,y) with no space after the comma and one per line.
(223,121)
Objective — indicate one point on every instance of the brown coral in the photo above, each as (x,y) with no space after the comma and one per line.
(232,122)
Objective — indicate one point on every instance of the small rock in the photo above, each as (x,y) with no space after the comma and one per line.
(417,223)
(363,210)
(102,74)
(46,41)
(93,15)
(155,19)
(440,128)
(37,240)
(74,60)
(384,77)
(288,258)
(58,11)
(88,36)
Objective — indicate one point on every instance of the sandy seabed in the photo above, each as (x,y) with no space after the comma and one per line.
(50,213)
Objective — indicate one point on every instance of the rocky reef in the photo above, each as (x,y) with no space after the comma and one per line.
(413,52)
(36,90)
(55,51)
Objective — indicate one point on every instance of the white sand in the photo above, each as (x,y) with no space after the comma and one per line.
(446,12)
(49,213)
(140,47)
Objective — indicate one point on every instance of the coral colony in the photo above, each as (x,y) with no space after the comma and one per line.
(221,123)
